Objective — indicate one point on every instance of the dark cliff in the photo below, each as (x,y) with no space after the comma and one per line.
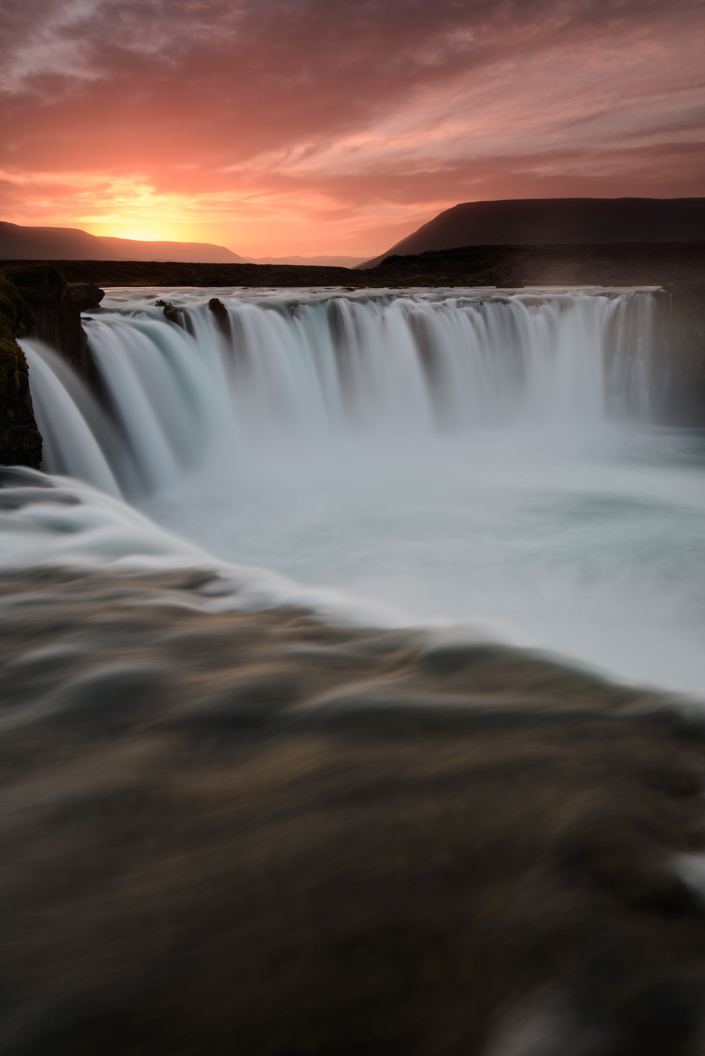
(681,353)
(20,442)
(36,301)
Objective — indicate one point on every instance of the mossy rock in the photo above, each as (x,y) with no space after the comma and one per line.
(16,319)
(37,283)
(20,441)
(53,309)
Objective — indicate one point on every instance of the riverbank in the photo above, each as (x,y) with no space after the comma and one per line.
(608,264)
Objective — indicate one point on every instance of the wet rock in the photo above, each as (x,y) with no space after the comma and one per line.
(190,874)
(56,307)
(86,295)
(178,315)
(36,301)
(221,316)
(20,441)
(106,699)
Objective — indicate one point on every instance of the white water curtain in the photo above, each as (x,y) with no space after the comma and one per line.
(280,371)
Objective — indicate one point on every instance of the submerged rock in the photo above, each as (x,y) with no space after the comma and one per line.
(221,316)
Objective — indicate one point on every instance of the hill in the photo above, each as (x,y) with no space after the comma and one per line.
(70,243)
(592,264)
(196,252)
(556,221)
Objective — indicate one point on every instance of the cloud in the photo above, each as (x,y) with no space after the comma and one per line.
(336,121)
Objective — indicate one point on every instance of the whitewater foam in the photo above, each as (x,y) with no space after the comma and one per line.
(58,522)
(446,452)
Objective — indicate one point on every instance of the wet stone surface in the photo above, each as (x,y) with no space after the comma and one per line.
(257,832)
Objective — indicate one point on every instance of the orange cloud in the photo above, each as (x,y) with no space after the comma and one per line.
(301,126)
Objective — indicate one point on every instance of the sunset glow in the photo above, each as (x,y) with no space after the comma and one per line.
(306,127)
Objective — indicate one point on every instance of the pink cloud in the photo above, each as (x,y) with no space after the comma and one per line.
(286,126)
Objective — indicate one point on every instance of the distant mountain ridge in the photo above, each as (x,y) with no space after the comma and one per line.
(556,221)
(70,243)
(325,261)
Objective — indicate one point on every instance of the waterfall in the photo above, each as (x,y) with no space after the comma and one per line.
(481,456)
(287,366)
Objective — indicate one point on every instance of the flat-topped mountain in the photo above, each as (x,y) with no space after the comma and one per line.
(556,221)
(70,243)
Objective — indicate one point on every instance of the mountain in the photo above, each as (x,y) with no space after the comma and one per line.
(47,243)
(556,221)
(69,243)
(191,252)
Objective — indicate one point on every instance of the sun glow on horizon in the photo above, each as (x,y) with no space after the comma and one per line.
(313,129)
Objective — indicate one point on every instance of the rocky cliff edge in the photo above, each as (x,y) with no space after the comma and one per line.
(36,301)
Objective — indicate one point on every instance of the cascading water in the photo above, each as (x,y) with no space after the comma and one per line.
(319,366)
(450,453)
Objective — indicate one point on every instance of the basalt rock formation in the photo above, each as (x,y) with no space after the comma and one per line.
(681,350)
(20,442)
(57,307)
(37,301)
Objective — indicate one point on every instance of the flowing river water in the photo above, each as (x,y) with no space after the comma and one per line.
(489,462)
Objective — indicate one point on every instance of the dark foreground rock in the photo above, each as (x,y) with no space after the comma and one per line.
(37,301)
(257,833)
(56,306)
(20,442)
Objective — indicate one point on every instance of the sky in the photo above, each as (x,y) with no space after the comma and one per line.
(338,126)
